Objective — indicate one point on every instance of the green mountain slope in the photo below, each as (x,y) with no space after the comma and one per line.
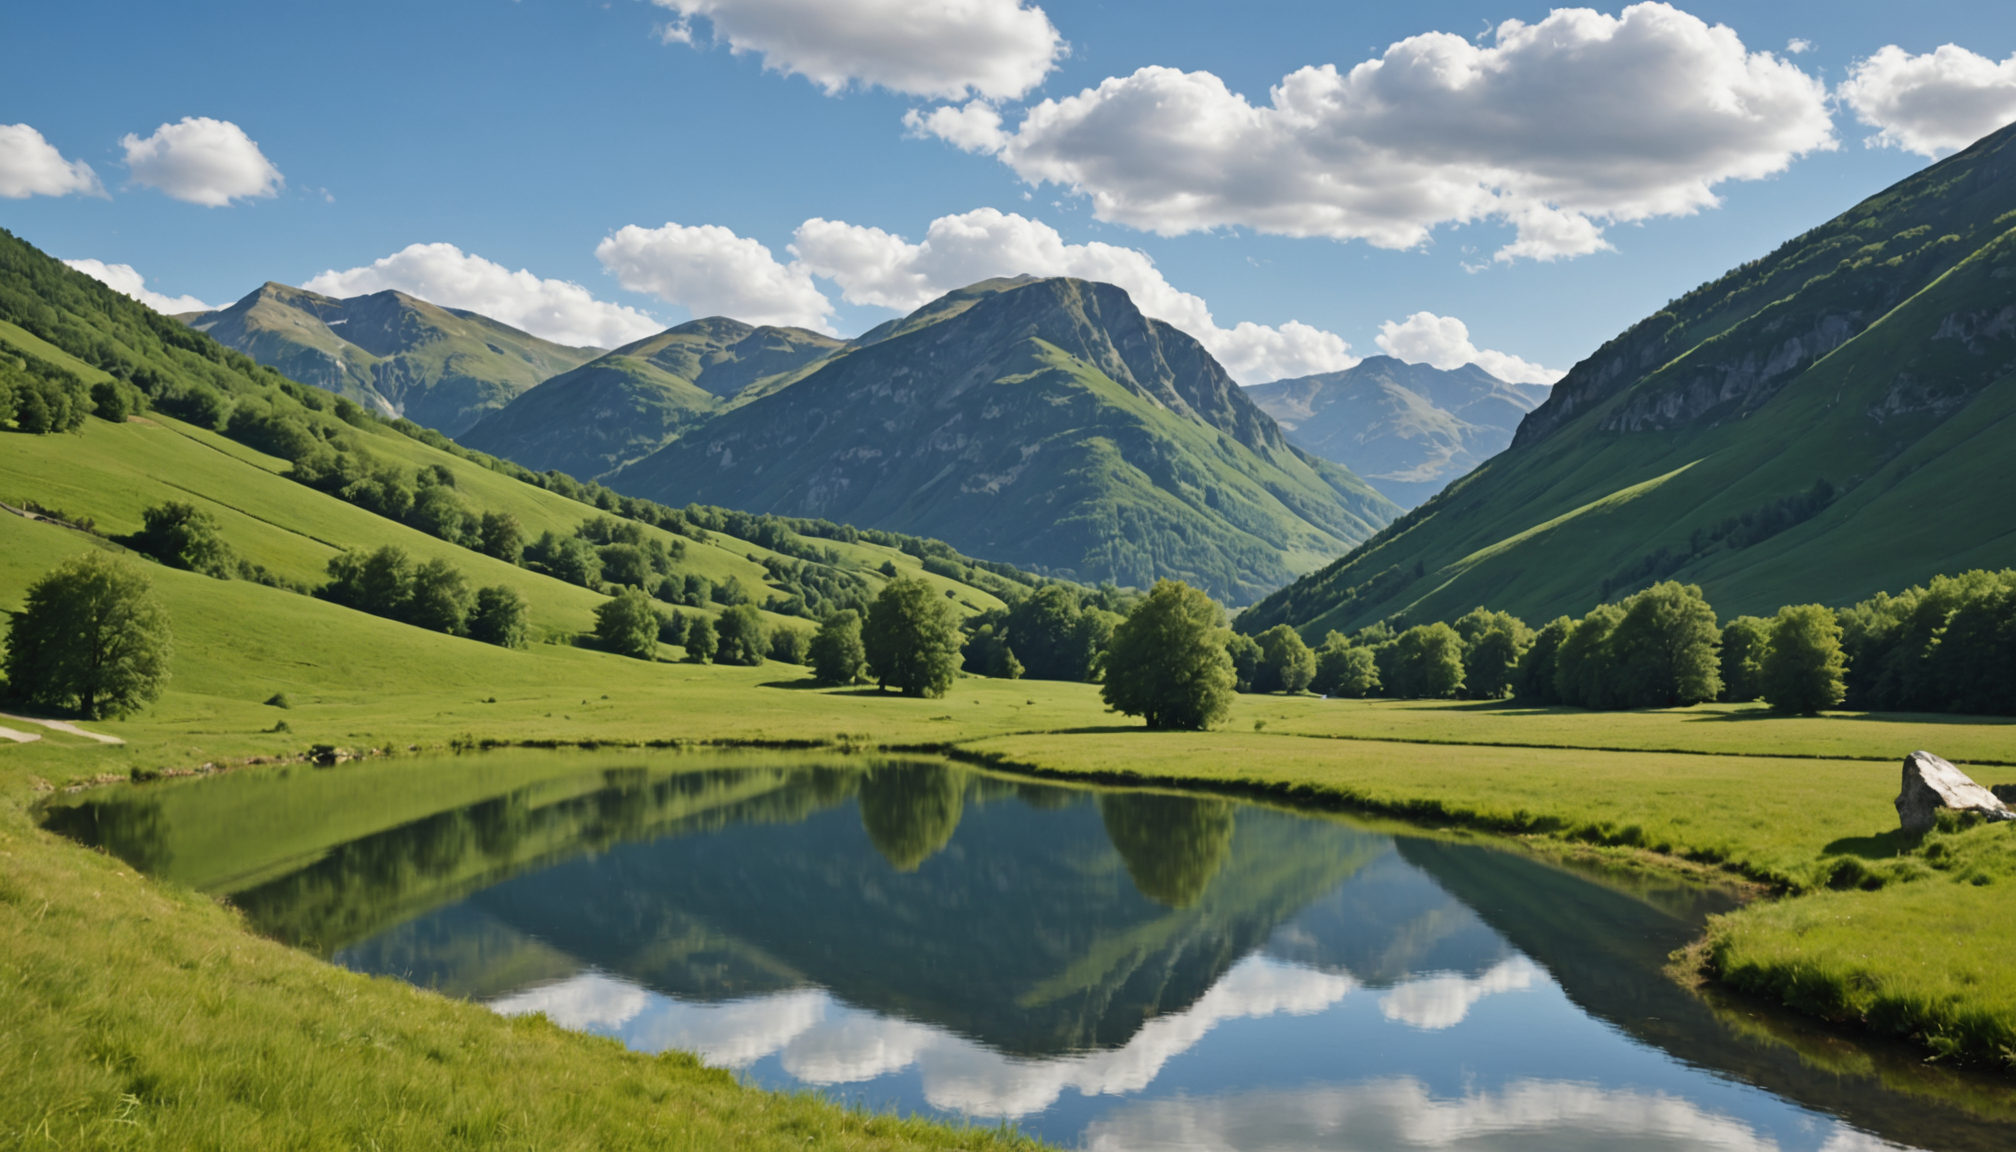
(1409,429)
(1047,423)
(625,405)
(439,367)
(1818,425)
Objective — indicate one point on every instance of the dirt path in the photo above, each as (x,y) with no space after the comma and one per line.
(56,725)
(18,737)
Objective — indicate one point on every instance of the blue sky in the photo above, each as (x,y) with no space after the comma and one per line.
(529,134)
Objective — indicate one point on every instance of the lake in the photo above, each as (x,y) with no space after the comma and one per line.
(1106,968)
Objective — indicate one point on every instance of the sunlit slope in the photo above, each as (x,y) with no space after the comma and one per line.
(622,406)
(1044,423)
(1816,426)
(439,367)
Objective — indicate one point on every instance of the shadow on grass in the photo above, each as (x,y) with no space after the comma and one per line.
(1108,729)
(1882,846)
(803,684)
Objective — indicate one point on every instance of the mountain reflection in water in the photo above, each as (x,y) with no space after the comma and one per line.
(1118,969)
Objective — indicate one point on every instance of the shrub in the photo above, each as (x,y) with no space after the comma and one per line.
(912,639)
(1803,666)
(1168,662)
(628,625)
(92,637)
(500,617)
(836,650)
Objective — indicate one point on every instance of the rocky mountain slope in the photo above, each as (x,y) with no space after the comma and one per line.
(1817,425)
(1042,422)
(440,367)
(1408,429)
(623,406)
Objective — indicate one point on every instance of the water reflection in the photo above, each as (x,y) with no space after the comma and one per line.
(1117,969)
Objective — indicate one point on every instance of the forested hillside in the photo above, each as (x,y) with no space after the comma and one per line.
(1817,425)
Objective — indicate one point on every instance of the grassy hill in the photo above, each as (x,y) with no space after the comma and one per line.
(1409,429)
(439,367)
(1818,425)
(1047,423)
(623,406)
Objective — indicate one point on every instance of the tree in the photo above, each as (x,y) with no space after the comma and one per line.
(626,564)
(911,810)
(92,637)
(1168,662)
(1245,654)
(568,558)
(1172,845)
(1427,662)
(185,536)
(1535,678)
(1744,641)
(1583,668)
(1344,670)
(501,617)
(379,582)
(501,537)
(439,510)
(788,646)
(730,592)
(1286,663)
(701,641)
(1803,668)
(1493,642)
(628,625)
(837,655)
(1665,648)
(744,638)
(440,598)
(1051,637)
(912,639)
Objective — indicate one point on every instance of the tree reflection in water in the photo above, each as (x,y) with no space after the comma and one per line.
(1172,845)
(910,810)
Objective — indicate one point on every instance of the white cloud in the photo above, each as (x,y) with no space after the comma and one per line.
(712,271)
(557,310)
(1559,128)
(126,280)
(880,268)
(1941,101)
(31,166)
(1444,999)
(936,48)
(1444,342)
(202,161)
(1797,45)
(974,128)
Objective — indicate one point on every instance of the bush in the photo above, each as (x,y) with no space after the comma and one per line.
(500,617)
(743,637)
(912,639)
(836,651)
(1168,662)
(92,637)
(1286,663)
(789,646)
(628,625)
(185,536)
(1803,667)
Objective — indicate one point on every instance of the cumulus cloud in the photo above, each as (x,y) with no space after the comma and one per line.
(1442,1000)
(31,166)
(935,48)
(976,127)
(1939,102)
(879,268)
(1444,342)
(557,310)
(126,280)
(1558,128)
(712,271)
(202,161)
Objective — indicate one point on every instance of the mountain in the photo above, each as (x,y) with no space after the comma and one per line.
(1826,422)
(1044,422)
(439,367)
(623,406)
(1409,429)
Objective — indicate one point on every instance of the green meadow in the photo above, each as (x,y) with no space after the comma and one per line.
(144,1015)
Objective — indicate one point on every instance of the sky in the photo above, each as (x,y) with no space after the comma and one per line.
(1297,184)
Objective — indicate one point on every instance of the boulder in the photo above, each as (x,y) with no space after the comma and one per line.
(1931,784)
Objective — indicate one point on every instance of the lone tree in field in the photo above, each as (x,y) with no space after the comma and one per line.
(92,637)
(1167,663)
(1803,668)
(912,639)
(628,625)
(837,655)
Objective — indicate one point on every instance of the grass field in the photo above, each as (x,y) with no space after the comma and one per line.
(142,1015)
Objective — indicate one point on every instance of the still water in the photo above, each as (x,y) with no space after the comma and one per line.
(1108,969)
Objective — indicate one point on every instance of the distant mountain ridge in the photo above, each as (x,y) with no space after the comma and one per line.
(1046,422)
(1826,422)
(624,405)
(440,367)
(1407,429)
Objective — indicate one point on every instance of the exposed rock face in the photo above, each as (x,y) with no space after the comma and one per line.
(1931,784)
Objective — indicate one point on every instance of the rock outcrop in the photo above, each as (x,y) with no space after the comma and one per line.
(1931,784)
